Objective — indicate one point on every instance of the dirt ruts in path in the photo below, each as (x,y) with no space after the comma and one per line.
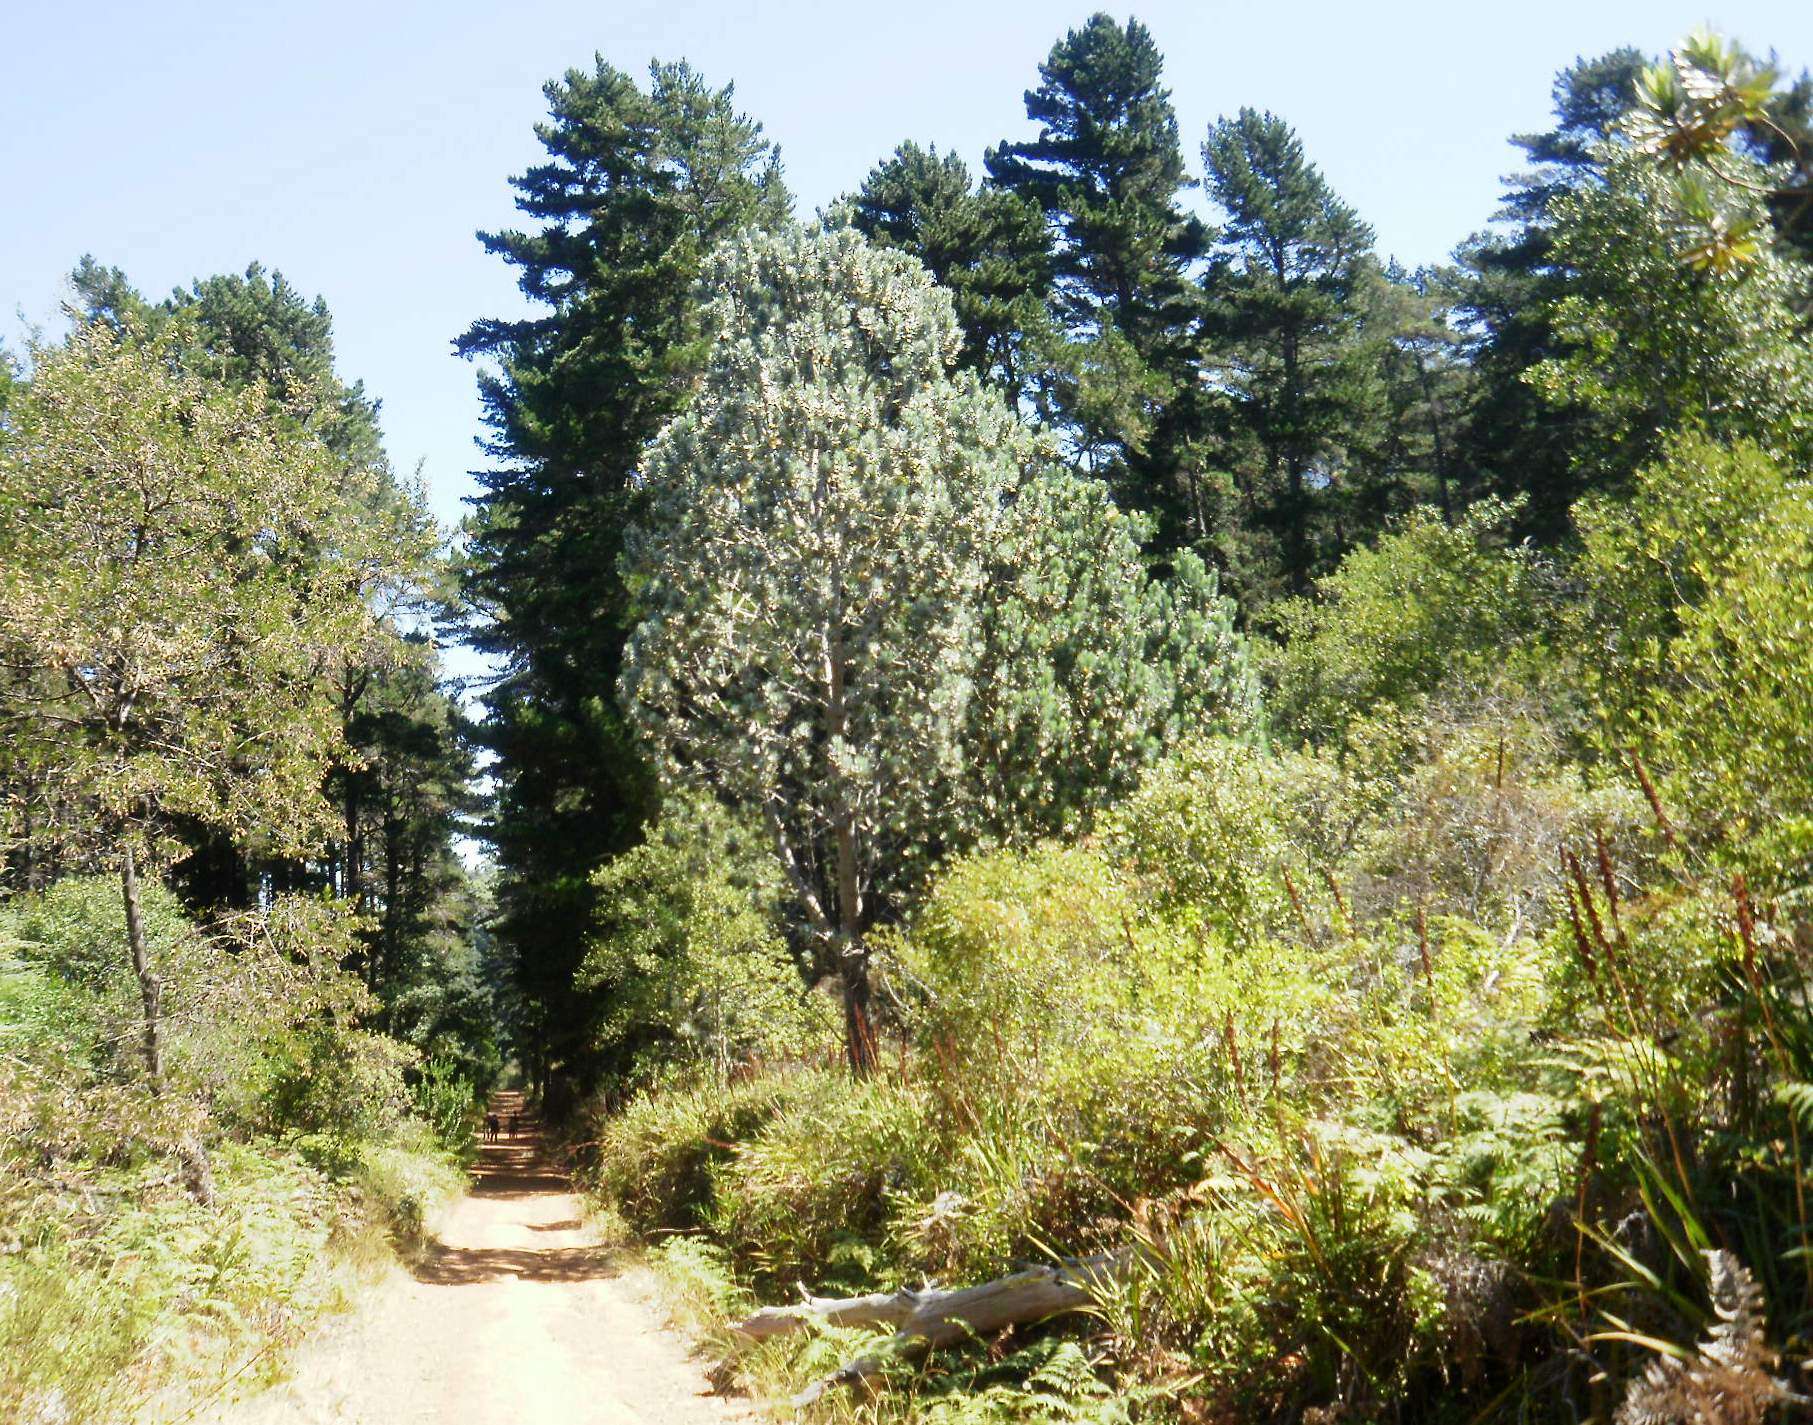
(515,1316)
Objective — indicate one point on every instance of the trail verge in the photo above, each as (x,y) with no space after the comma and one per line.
(515,1314)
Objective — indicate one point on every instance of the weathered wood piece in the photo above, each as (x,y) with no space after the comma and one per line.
(933,1316)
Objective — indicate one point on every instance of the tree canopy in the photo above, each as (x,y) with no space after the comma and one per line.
(637,186)
(886,552)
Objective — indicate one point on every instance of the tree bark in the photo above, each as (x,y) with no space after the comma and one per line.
(853,958)
(859,1028)
(150,988)
(197,1172)
(934,1317)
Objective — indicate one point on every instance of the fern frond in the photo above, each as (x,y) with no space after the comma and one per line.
(1727,1380)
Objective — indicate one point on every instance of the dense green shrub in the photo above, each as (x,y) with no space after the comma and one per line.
(1206,832)
(338,1082)
(654,1159)
(808,1196)
(1431,606)
(686,963)
(154,1242)
(447,1101)
(1698,586)
(1011,954)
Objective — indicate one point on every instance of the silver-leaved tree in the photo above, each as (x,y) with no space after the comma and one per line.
(874,616)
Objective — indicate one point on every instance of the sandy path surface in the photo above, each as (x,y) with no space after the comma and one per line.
(515,1317)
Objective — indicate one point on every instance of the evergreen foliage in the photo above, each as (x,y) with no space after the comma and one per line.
(988,247)
(637,187)
(1107,170)
(1293,269)
(1415,1056)
(688,966)
(886,558)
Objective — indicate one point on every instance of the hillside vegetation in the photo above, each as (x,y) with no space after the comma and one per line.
(1076,725)
(242,1016)
(1392,978)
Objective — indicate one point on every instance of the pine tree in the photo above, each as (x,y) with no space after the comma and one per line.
(1511,445)
(1427,392)
(245,328)
(873,623)
(637,186)
(1107,169)
(990,248)
(1288,289)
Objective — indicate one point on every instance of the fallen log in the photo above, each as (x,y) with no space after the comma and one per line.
(932,1316)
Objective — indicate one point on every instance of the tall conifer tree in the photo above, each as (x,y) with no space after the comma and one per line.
(637,185)
(1292,275)
(989,247)
(1107,169)
(1512,445)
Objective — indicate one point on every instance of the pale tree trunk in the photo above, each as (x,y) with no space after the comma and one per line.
(150,988)
(932,1316)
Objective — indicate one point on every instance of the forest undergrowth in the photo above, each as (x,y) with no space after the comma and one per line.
(160,1252)
(1446,1055)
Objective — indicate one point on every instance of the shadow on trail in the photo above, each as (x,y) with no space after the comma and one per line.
(468,1266)
(513,1166)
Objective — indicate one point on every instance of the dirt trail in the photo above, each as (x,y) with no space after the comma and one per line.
(515,1317)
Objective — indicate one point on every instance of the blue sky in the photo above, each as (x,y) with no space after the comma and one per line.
(357,147)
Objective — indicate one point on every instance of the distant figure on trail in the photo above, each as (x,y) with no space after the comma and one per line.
(491,1128)
(513,1125)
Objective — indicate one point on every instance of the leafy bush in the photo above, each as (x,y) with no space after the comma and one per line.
(1698,586)
(686,960)
(1011,954)
(334,1082)
(1205,832)
(169,1242)
(447,1101)
(807,1196)
(1431,606)
(654,1159)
